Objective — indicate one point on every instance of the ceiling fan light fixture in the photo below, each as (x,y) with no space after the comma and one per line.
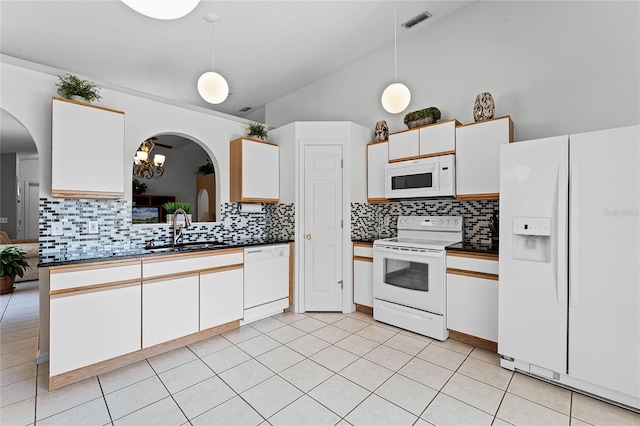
(396,98)
(213,87)
(162,9)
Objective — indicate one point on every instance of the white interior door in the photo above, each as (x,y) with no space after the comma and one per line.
(31,206)
(323,227)
(604,229)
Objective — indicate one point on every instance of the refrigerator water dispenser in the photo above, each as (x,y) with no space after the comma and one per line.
(532,239)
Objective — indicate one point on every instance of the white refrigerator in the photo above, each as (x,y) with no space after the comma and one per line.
(569,287)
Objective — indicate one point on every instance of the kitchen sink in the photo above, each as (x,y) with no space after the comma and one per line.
(180,248)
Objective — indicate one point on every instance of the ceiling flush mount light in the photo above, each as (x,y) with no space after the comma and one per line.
(162,9)
(212,86)
(396,96)
(143,167)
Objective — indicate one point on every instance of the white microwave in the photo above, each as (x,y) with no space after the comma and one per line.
(425,177)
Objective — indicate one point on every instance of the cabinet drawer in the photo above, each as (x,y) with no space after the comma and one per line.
(362,251)
(472,264)
(74,277)
(178,264)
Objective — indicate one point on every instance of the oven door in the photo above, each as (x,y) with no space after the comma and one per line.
(409,277)
(412,179)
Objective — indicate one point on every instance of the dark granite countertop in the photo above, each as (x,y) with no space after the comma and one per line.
(363,240)
(139,252)
(472,248)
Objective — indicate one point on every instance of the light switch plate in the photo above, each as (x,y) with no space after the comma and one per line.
(56,228)
(93,227)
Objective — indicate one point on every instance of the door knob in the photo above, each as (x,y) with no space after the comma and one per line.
(308,236)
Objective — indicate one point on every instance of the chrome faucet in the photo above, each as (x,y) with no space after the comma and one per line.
(177,229)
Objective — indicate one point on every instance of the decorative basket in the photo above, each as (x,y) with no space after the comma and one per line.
(421,122)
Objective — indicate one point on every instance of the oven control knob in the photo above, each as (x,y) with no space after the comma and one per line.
(448,221)
(441,221)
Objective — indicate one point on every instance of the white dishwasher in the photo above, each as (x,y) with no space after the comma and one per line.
(266,281)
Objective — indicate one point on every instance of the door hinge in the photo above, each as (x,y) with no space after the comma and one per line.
(342,224)
(341,284)
(342,163)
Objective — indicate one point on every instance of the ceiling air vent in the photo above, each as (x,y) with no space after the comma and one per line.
(245,109)
(417,19)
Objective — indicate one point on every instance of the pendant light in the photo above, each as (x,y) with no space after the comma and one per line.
(396,96)
(162,9)
(212,86)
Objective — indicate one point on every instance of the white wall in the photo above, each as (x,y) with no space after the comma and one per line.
(556,67)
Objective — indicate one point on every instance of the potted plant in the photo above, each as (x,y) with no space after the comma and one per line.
(71,87)
(422,117)
(12,262)
(257,130)
(205,169)
(171,207)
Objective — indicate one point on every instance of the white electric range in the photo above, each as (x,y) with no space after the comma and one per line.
(409,274)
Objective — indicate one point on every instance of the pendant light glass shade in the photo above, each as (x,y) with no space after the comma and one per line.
(162,9)
(213,87)
(396,98)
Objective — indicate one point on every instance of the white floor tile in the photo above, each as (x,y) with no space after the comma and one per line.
(241,334)
(596,412)
(426,373)
(445,411)
(406,344)
(271,396)
(172,359)
(339,395)
(350,324)
(234,412)
(164,412)
(17,391)
(246,375)
(366,374)
(486,356)
(331,334)
(203,396)
(21,413)
(306,375)
(127,400)
(125,376)
(328,317)
(209,346)
(258,345)
(308,345)
(309,324)
(268,324)
(540,392)
(375,333)
(377,411)
(185,375)
(357,345)
(454,345)
(519,411)
(225,359)
(304,412)
(62,399)
(90,413)
(477,394)
(390,358)
(485,372)
(443,357)
(406,393)
(280,358)
(286,334)
(334,358)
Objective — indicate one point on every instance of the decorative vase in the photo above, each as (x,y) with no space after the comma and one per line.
(484,107)
(6,285)
(382,131)
(420,122)
(79,98)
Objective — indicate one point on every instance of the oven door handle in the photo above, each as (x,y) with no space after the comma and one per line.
(407,251)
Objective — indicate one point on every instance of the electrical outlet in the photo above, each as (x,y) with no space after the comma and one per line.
(56,229)
(386,221)
(93,227)
(4,220)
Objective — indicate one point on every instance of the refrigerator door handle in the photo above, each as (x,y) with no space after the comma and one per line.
(574,223)
(562,218)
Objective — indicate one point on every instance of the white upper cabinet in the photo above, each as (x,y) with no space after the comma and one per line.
(478,157)
(404,145)
(377,158)
(255,171)
(87,151)
(427,141)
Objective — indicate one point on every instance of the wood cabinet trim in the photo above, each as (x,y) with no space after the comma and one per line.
(377,142)
(102,367)
(222,268)
(473,255)
(474,341)
(163,258)
(362,244)
(487,196)
(429,125)
(76,291)
(378,200)
(64,193)
(472,274)
(437,154)
(56,98)
(258,200)
(254,140)
(291,274)
(93,265)
(157,278)
(396,160)
(362,259)
(364,309)
(488,120)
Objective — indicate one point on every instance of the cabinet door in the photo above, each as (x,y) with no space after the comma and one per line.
(78,130)
(363,282)
(404,145)
(221,294)
(472,306)
(92,326)
(377,159)
(478,158)
(260,172)
(438,139)
(169,308)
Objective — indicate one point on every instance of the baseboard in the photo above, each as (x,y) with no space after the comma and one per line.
(474,341)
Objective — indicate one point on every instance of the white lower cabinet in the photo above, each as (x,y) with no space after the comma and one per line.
(363,274)
(169,308)
(97,320)
(472,296)
(221,294)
